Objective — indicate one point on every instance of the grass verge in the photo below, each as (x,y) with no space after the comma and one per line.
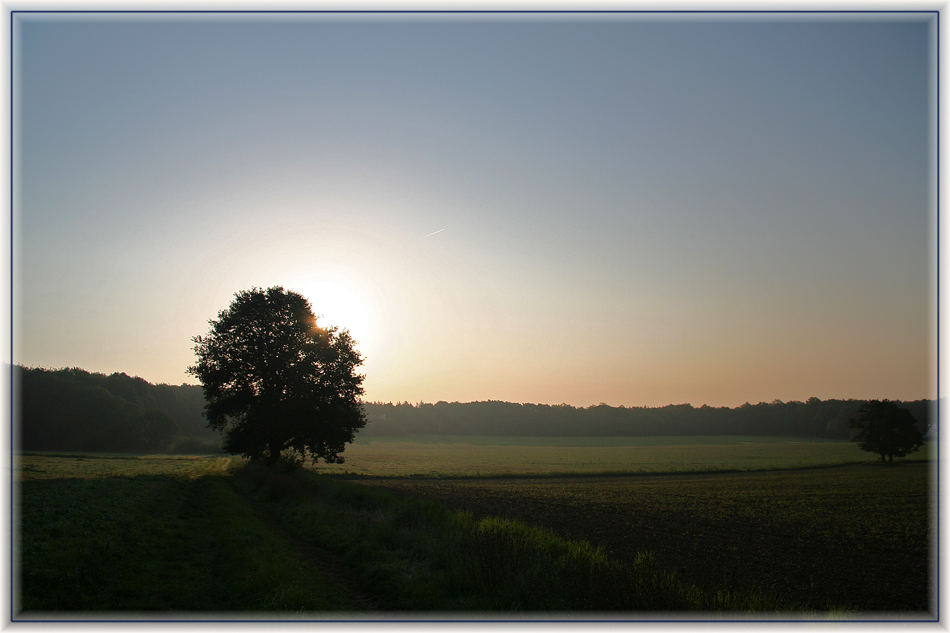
(416,555)
(186,540)
(156,545)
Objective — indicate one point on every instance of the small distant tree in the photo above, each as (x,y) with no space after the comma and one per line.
(884,428)
(274,380)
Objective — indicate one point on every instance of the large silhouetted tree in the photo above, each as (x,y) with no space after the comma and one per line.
(274,380)
(886,429)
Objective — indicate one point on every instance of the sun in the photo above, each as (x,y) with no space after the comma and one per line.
(340,305)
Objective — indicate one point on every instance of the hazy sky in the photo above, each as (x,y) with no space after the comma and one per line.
(631,209)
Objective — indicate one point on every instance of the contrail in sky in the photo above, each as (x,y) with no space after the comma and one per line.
(434,232)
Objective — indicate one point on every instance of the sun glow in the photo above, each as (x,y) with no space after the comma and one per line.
(337,304)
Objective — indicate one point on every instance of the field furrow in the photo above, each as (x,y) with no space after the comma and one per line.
(852,536)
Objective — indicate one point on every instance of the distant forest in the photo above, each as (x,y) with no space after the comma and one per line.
(813,418)
(74,410)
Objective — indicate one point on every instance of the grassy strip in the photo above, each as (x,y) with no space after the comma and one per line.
(418,556)
(264,571)
(156,544)
(415,457)
(395,457)
(36,465)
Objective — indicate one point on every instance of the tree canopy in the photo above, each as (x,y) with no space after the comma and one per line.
(884,428)
(275,380)
(74,410)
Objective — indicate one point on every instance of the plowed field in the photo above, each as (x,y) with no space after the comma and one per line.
(850,536)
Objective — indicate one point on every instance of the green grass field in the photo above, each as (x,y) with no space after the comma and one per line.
(154,536)
(458,456)
(468,456)
(38,465)
(172,540)
(220,542)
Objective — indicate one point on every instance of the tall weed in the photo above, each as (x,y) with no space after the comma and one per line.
(416,555)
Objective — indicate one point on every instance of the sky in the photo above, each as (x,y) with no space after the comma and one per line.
(631,209)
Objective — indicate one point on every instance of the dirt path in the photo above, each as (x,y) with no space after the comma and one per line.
(323,559)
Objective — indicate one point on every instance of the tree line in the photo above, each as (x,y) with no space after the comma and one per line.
(75,410)
(812,418)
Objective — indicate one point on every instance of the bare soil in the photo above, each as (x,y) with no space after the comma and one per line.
(815,573)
